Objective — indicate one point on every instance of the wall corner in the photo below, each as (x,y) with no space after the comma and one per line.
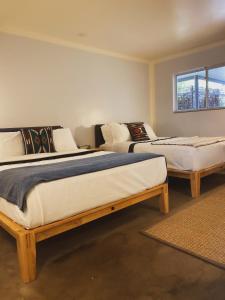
(152,94)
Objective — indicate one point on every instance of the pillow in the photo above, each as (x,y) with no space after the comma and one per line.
(115,133)
(63,140)
(11,144)
(138,132)
(120,132)
(107,134)
(150,131)
(38,140)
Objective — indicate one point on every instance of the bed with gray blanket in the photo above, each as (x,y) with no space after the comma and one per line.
(42,188)
(43,195)
(15,183)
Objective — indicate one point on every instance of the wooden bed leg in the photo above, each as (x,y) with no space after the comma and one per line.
(195,184)
(164,200)
(26,250)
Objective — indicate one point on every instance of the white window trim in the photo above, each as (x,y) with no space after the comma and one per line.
(175,102)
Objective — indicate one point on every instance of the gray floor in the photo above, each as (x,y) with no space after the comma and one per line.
(110,259)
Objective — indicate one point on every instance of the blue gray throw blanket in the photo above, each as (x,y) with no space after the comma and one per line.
(15,183)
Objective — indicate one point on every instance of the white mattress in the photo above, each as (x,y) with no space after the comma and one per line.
(178,157)
(55,200)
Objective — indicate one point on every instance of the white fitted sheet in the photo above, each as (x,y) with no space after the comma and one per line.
(178,157)
(52,201)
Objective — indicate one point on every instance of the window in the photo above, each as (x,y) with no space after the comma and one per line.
(201,89)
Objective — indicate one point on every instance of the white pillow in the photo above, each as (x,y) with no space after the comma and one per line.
(120,132)
(63,140)
(11,144)
(115,133)
(107,134)
(150,131)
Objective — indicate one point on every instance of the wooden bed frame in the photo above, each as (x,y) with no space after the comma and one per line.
(27,238)
(193,176)
(196,176)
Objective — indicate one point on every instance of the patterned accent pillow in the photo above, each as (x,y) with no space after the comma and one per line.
(38,140)
(138,132)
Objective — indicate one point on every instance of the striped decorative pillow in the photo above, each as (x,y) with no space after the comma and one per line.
(38,140)
(138,132)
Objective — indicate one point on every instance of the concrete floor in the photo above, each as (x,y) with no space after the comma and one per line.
(110,259)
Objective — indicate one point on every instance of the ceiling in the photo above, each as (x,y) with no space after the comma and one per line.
(146,29)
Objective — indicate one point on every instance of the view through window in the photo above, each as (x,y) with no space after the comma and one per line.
(201,89)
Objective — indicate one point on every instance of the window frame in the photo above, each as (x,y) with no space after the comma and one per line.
(175,102)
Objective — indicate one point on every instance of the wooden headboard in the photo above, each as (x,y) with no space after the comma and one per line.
(18,128)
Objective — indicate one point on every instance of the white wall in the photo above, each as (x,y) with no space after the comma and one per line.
(46,84)
(204,123)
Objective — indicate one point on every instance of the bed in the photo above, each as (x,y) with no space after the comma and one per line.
(59,205)
(183,161)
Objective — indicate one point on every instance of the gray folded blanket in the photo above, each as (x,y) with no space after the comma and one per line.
(15,183)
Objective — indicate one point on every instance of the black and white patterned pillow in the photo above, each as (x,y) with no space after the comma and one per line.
(138,132)
(38,140)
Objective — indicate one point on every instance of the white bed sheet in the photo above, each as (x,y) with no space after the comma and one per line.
(55,200)
(178,157)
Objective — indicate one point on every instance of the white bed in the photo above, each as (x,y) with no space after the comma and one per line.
(56,200)
(184,158)
(61,205)
(191,158)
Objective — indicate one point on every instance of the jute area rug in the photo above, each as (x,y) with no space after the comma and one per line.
(198,229)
